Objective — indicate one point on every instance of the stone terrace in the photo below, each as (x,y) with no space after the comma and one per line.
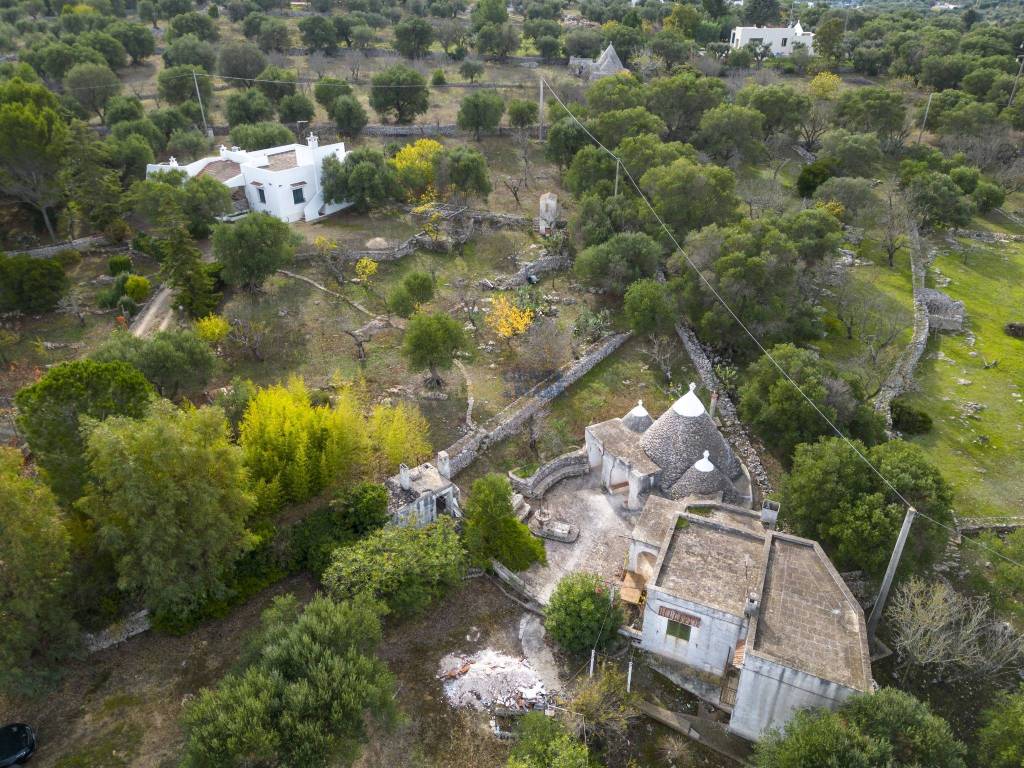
(603,543)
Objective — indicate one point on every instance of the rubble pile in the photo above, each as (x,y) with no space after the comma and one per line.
(489,679)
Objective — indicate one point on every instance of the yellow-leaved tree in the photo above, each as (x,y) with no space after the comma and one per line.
(294,449)
(399,436)
(825,86)
(508,320)
(365,269)
(212,329)
(414,166)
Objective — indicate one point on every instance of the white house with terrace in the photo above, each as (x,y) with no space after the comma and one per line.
(283,181)
(781,39)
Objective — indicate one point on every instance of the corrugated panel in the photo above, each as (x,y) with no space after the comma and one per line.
(679,616)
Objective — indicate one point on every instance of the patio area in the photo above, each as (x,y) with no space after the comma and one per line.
(604,524)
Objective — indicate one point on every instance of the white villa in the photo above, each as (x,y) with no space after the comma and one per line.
(781,39)
(282,181)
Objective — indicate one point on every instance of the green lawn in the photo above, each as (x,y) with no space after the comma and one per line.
(979,453)
(886,302)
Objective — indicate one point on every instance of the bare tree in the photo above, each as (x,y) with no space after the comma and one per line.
(71,304)
(936,628)
(251,335)
(467,297)
(815,122)
(660,350)
(894,222)
(513,185)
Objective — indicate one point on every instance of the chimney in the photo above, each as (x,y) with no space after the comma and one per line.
(312,141)
(444,465)
(714,403)
(770,513)
(403,477)
(753,605)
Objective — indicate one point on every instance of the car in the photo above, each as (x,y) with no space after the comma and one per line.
(17,743)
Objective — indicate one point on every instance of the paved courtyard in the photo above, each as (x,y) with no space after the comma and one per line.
(603,542)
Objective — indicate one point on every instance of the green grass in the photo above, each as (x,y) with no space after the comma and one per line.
(979,455)
(114,748)
(886,293)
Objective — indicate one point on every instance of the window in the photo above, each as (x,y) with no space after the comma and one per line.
(298,196)
(784,41)
(261,195)
(679,631)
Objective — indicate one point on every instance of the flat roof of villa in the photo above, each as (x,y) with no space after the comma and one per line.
(282,161)
(808,620)
(711,564)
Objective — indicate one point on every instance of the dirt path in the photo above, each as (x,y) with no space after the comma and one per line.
(157,316)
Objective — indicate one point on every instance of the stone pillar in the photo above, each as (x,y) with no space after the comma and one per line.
(404,479)
(444,465)
(633,500)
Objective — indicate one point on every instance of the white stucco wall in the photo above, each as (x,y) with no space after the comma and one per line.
(769,694)
(781,39)
(711,645)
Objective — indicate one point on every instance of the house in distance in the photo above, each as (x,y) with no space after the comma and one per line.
(282,181)
(781,39)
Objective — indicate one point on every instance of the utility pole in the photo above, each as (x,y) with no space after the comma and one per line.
(1013,91)
(202,110)
(924,120)
(540,111)
(890,572)
(617,163)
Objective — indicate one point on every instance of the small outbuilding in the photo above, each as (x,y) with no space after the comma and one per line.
(605,65)
(418,495)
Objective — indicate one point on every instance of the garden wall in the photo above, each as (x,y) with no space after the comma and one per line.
(572,464)
(732,427)
(515,415)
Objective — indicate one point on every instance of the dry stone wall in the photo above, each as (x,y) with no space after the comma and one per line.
(515,415)
(732,427)
(572,464)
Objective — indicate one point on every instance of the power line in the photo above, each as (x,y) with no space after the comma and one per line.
(756,341)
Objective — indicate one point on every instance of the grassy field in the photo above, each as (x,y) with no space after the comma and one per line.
(978,437)
(884,298)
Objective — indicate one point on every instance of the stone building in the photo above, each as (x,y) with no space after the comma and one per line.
(606,65)
(944,312)
(680,454)
(419,495)
(756,621)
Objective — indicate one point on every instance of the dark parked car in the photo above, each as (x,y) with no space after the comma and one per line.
(17,743)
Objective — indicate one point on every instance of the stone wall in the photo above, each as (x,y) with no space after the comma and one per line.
(732,428)
(529,270)
(901,379)
(82,243)
(572,464)
(515,415)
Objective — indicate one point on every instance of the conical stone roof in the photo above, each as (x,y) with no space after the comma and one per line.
(679,437)
(638,419)
(702,479)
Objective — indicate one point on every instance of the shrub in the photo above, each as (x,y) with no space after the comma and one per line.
(212,329)
(908,419)
(438,77)
(815,174)
(581,615)
(136,288)
(405,567)
(29,284)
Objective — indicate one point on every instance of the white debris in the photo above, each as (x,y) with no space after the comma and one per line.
(488,678)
